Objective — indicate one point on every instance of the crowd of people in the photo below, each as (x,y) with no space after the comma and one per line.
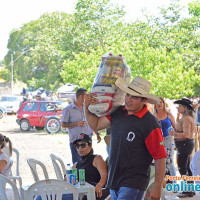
(137,137)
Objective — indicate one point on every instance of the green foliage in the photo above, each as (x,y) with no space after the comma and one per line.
(45,46)
(5,74)
(68,48)
(194,8)
(82,69)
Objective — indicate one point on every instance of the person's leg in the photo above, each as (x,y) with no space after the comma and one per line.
(126,193)
(167,144)
(185,149)
(75,155)
(172,166)
(113,194)
(183,156)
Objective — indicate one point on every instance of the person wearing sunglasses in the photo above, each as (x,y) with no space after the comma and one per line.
(94,166)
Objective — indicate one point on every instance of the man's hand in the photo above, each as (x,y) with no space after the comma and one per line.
(155,193)
(98,190)
(81,123)
(90,99)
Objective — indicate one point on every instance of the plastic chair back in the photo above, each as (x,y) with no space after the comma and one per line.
(3,182)
(16,152)
(57,162)
(33,163)
(51,189)
(14,171)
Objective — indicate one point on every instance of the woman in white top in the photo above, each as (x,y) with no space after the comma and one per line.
(5,161)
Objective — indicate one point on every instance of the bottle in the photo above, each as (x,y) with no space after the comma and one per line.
(170,128)
(75,172)
(72,179)
(68,172)
(68,166)
(107,69)
(81,176)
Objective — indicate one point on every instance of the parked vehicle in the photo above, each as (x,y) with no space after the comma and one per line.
(10,103)
(2,112)
(41,114)
(67,92)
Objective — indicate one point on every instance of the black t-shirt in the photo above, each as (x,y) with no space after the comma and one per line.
(135,141)
(92,174)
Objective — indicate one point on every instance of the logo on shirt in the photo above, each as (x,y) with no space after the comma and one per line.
(130,136)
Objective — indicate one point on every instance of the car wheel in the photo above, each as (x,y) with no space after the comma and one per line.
(39,128)
(53,125)
(24,125)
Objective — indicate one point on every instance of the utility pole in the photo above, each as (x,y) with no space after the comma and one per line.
(12,75)
(12,68)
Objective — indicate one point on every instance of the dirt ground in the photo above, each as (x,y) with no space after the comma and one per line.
(38,145)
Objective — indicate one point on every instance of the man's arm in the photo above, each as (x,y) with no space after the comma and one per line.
(65,120)
(73,124)
(96,123)
(159,177)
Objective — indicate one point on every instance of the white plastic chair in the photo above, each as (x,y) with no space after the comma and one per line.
(57,162)
(3,182)
(51,189)
(33,163)
(14,174)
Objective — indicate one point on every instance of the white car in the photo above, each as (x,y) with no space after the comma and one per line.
(10,104)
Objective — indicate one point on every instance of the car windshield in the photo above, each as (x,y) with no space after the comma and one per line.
(4,98)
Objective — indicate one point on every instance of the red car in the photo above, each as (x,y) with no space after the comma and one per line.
(41,114)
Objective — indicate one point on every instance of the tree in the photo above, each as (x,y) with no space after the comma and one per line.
(165,52)
(97,24)
(68,48)
(45,37)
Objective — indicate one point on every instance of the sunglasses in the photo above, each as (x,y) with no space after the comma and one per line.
(82,145)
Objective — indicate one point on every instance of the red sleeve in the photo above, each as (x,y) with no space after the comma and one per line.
(108,117)
(155,144)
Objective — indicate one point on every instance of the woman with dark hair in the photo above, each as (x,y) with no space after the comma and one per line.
(94,165)
(5,161)
(167,121)
(184,139)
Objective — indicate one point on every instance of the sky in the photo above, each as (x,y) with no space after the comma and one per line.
(15,13)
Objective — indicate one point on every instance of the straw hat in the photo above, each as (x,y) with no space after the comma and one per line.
(138,87)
